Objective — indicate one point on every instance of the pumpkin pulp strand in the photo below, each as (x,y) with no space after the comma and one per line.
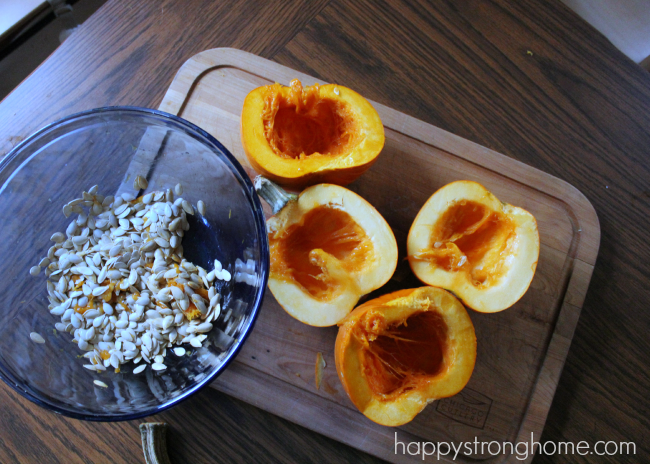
(300,123)
(399,356)
(300,253)
(469,237)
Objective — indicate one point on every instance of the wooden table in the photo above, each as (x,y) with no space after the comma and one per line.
(528,79)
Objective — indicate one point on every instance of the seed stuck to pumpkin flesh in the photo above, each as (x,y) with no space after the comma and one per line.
(467,241)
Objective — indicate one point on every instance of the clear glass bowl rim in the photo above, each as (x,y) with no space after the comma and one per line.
(261,230)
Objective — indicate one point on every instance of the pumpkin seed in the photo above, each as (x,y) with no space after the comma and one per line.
(140,183)
(187,207)
(139,369)
(131,245)
(37,338)
(57,237)
(158,366)
(180,351)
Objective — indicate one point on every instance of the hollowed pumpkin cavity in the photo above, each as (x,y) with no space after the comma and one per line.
(467,241)
(299,136)
(299,254)
(397,353)
(301,125)
(471,238)
(404,354)
(328,248)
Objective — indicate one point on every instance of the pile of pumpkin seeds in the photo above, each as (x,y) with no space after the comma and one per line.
(119,282)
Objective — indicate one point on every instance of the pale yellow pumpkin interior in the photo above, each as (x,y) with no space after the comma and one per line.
(300,254)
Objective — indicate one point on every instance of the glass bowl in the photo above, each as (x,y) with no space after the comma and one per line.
(108,147)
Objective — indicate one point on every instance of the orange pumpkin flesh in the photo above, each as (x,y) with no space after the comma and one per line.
(302,252)
(299,136)
(397,353)
(304,125)
(403,355)
(467,241)
(328,248)
(470,229)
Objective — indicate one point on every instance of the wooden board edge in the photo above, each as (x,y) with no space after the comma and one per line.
(580,209)
(236,382)
(549,375)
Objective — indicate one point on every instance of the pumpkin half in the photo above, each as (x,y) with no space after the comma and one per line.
(328,248)
(465,240)
(399,352)
(299,136)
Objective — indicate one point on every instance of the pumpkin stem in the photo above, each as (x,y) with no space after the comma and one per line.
(154,442)
(273,194)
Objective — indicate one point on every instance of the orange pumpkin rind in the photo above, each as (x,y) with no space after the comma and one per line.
(399,352)
(299,136)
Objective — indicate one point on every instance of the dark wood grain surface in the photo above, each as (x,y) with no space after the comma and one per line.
(528,79)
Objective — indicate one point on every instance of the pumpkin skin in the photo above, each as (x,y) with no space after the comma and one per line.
(299,136)
(467,241)
(399,352)
(328,248)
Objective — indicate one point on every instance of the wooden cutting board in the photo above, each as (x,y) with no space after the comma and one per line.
(521,351)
